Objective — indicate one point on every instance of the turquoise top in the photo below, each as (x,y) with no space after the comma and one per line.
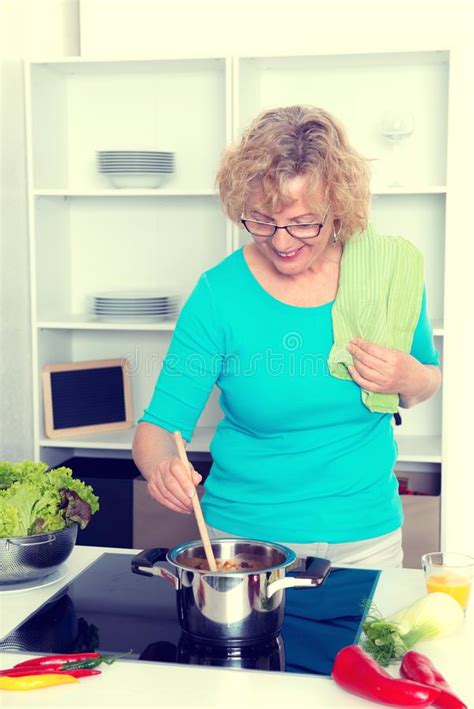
(297,456)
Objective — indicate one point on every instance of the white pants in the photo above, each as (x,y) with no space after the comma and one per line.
(375,553)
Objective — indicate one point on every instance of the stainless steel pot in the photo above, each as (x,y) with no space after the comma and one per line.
(33,557)
(231,607)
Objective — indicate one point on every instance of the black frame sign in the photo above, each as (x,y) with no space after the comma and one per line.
(87,397)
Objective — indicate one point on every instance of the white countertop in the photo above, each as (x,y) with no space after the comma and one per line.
(151,684)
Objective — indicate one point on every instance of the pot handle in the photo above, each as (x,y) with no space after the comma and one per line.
(319,570)
(144,564)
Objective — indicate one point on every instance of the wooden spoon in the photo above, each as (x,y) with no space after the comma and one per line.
(196,506)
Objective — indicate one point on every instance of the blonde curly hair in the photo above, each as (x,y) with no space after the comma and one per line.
(296,140)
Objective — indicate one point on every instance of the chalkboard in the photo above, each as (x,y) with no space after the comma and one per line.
(86,397)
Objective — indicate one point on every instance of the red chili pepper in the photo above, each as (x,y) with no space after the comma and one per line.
(56,660)
(25,671)
(359,673)
(418,667)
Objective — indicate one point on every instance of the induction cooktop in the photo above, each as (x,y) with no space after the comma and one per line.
(110,609)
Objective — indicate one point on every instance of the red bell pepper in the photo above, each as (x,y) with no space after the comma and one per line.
(418,667)
(360,674)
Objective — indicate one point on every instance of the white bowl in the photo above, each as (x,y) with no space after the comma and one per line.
(137,180)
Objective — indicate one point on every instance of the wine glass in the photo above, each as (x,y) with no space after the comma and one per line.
(396,126)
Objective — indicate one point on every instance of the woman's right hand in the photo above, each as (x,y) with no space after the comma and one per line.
(170,485)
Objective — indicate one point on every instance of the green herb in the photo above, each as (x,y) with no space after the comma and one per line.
(382,639)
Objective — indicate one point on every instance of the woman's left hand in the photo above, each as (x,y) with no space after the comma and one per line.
(386,370)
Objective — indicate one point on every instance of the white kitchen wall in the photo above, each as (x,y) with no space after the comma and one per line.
(27,27)
(96,28)
(236,26)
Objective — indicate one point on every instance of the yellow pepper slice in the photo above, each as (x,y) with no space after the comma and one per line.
(35,681)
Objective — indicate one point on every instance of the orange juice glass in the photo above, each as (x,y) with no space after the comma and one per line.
(449,572)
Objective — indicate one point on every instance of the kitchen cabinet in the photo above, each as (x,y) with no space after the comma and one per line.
(112,480)
(157,526)
(86,236)
(420,528)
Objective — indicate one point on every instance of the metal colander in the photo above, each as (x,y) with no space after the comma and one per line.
(36,556)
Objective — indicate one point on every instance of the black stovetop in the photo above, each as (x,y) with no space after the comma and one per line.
(110,609)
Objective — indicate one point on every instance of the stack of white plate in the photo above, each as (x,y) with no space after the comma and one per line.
(135,306)
(135,168)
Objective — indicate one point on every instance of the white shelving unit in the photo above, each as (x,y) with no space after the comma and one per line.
(122,441)
(162,192)
(77,322)
(85,236)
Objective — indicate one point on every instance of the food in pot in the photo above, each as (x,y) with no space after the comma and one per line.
(234,565)
(241,564)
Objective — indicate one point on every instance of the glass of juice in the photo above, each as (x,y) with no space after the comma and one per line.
(449,572)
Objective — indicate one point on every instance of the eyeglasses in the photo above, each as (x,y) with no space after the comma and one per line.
(298,231)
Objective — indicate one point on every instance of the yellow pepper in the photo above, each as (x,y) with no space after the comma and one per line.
(35,681)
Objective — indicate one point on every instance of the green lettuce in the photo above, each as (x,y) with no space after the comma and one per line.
(14,472)
(10,522)
(34,501)
(24,498)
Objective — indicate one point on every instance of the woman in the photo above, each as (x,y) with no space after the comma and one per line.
(297,458)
